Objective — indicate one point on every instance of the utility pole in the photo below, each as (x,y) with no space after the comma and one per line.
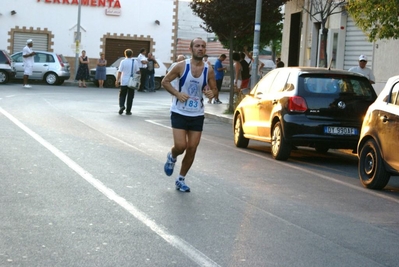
(255,50)
(77,41)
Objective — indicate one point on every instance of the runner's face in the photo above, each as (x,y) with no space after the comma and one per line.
(199,49)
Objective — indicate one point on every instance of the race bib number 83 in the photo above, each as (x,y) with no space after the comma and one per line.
(192,104)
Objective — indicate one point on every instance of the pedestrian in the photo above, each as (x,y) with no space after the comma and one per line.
(362,69)
(279,63)
(126,68)
(237,71)
(187,110)
(245,75)
(83,70)
(142,60)
(28,54)
(175,82)
(101,70)
(151,63)
(219,75)
(250,60)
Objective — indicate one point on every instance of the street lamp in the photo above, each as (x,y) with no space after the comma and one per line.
(77,41)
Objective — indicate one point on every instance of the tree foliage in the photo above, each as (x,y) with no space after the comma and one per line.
(377,18)
(233,22)
(236,18)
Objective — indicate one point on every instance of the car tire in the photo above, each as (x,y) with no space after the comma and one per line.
(239,139)
(157,83)
(52,78)
(371,169)
(280,148)
(109,82)
(3,77)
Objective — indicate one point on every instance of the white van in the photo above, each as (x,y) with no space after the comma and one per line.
(160,72)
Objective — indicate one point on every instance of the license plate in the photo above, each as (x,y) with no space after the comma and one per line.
(340,130)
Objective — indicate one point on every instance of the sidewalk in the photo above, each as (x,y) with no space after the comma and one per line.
(218,111)
(212,111)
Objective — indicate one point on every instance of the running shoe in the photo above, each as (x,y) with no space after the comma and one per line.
(181,185)
(27,86)
(169,165)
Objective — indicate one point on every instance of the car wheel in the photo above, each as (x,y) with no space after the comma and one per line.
(371,167)
(280,148)
(157,83)
(3,77)
(321,149)
(239,139)
(51,78)
(109,82)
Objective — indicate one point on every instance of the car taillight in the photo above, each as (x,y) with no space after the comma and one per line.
(297,104)
(60,60)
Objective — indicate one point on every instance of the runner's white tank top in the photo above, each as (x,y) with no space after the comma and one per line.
(192,86)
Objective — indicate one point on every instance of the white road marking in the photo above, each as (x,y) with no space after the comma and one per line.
(186,248)
(159,124)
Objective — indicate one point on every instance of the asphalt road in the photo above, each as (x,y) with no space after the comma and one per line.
(84,186)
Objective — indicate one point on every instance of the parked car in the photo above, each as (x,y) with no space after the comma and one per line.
(50,67)
(111,72)
(7,70)
(296,106)
(378,143)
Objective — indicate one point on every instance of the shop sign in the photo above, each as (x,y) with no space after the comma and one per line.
(93,3)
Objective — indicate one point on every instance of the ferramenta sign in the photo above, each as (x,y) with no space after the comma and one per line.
(94,3)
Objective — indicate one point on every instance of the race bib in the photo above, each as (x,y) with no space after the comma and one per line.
(192,104)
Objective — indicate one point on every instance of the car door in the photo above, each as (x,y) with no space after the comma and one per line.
(252,121)
(41,65)
(389,128)
(18,65)
(270,101)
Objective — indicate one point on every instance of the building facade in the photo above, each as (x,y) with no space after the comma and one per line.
(345,43)
(106,26)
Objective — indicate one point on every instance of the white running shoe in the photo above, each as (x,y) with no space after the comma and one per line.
(27,86)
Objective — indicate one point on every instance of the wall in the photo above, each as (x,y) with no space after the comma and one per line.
(384,63)
(136,20)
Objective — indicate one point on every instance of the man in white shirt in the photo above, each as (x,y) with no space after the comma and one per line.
(362,69)
(27,54)
(126,68)
(142,59)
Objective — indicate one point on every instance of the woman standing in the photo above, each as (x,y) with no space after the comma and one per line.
(237,70)
(101,70)
(83,71)
(151,64)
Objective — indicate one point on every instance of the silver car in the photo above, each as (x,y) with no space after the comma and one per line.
(49,67)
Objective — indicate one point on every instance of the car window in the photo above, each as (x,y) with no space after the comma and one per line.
(44,58)
(330,84)
(263,85)
(279,83)
(394,95)
(17,57)
(2,58)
